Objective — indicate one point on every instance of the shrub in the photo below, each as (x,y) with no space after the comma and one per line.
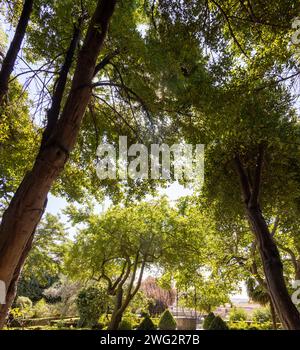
(262,315)
(104,319)
(208,320)
(132,318)
(243,325)
(125,325)
(40,309)
(33,288)
(218,324)
(260,326)
(91,303)
(240,325)
(23,308)
(23,303)
(167,321)
(147,324)
(237,314)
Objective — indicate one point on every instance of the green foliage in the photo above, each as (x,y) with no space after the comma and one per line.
(146,324)
(21,310)
(45,260)
(167,321)
(23,303)
(41,309)
(243,325)
(233,104)
(49,246)
(125,325)
(18,142)
(262,315)
(256,292)
(218,324)
(91,303)
(34,288)
(208,320)
(237,314)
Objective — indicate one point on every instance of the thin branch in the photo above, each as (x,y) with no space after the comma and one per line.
(230,28)
(119,115)
(127,89)
(60,85)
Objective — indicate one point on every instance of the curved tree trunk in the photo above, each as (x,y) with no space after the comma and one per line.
(25,210)
(14,48)
(121,305)
(273,270)
(272,265)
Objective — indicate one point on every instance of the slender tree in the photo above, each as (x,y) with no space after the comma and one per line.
(9,60)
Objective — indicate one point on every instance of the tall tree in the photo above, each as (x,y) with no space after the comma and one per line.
(27,206)
(245,74)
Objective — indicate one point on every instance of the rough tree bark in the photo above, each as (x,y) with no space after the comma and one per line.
(262,283)
(14,48)
(273,315)
(272,265)
(27,205)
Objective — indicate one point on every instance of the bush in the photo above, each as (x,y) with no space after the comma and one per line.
(218,324)
(208,320)
(23,303)
(147,324)
(243,325)
(167,321)
(32,288)
(41,309)
(262,315)
(132,318)
(237,314)
(91,303)
(125,325)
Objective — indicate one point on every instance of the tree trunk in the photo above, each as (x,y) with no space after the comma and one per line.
(272,265)
(27,205)
(297,271)
(14,48)
(12,290)
(273,315)
(60,85)
(117,314)
(273,270)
